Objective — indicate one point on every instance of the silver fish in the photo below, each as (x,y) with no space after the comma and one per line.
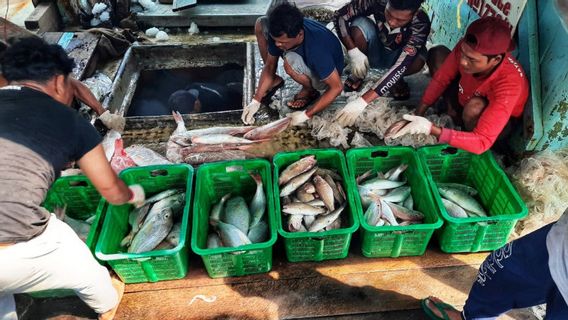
(231,236)
(404,213)
(364,176)
(304,196)
(206,157)
(325,192)
(409,203)
(296,182)
(372,214)
(154,230)
(182,130)
(308,187)
(334,225)
(217,209)
(269,130)
(237,214)
(394,173)
(378,183)
(174,236)
(258,233)
(324,221)
(462,199)
(453,209)
(395,127)
(296,168)
(309,220)
(302,209)
(258,204)
(294,222)
(462,187)
(336,194)
(219,139)
(387,213)
(398,194)
(213,241)
(316,203)
(334,175)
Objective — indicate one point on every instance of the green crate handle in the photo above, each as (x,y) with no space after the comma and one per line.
(159,172)
(77,184)
(379,154)
(479,236)
(149,271)
(234,168)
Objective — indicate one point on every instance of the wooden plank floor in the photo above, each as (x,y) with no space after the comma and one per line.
(356,285)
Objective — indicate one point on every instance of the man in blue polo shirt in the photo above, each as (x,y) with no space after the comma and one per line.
(312,57)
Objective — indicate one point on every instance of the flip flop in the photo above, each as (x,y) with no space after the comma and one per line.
(352,83)
(400,86)
(267,99)
(442,307)
(306,100)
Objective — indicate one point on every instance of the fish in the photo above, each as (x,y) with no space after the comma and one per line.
(463,199)
(404,213)
(269,130)
(398,194)
(295,222)
(453,209)
(199,148)
(394,173)
(325,192)
(366,194)
(372,214)
(364,176)
(395,127)
(205,157)
(378,183)
(296,168)
(302,209)
(409,203)
(143,156)
(334,175)
(462,187)
(258,232)
(181,129)
(257,206)
(231,236)
(303,196)
(213,241)
(309,220)
(217,208)
(135,219)
(174,236)
(316,203)
(296,182)
(387,213)
(161,195)
(334,225)
(336,194)
(308,187)
(237,213)
(219,138)
(154,230)
(325,220)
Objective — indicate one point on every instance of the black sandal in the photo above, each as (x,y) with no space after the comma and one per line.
(352,83)
(267,99)
(306,100)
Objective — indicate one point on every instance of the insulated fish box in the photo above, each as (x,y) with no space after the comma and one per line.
(215,180)
(394,241)
(498,197)
(154,265)
(316,246)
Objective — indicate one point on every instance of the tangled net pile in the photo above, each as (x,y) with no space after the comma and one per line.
(541,180)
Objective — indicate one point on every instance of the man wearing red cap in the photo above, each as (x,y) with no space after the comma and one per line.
(491,87)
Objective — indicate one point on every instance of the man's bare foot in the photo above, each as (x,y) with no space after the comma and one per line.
(119,287)
(437,308)
(303,98)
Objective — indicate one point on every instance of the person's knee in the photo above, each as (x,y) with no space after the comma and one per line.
(435,57)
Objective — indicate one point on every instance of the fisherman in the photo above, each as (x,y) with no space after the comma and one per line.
(395,41)
(491,89)
(39,134)
(83,94)
(312,57)
(529,271)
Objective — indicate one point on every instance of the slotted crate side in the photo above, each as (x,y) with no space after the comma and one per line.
(213,181)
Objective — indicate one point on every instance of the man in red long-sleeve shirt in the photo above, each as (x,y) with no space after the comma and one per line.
(492,88)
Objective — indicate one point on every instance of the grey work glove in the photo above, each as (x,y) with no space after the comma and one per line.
(417,125)
(113,121)
(359,63)
(346,117)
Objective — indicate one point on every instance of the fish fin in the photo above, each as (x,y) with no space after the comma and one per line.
(256,177)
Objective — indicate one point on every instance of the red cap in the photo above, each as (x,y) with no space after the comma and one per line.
(489,36)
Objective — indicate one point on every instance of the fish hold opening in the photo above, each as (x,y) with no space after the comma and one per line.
(188,90)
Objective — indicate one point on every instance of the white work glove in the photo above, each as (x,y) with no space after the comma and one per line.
(137,196)
(113,121)
(346,117)
(249,112)
(417,125)
(359,63)
(297,117)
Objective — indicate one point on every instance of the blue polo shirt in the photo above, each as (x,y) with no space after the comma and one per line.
(321,49)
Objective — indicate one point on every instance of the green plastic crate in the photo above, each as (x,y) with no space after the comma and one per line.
(316,246)
(155,265)
(81,200)
(498,196)
(394,241)
(214,180)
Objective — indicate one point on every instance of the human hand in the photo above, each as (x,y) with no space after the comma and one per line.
(249,111)
(298,117)
(417,125)
(347,116)
(137,196)
(113,121)
(359,63)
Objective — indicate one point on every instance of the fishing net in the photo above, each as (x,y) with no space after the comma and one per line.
(541,180)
